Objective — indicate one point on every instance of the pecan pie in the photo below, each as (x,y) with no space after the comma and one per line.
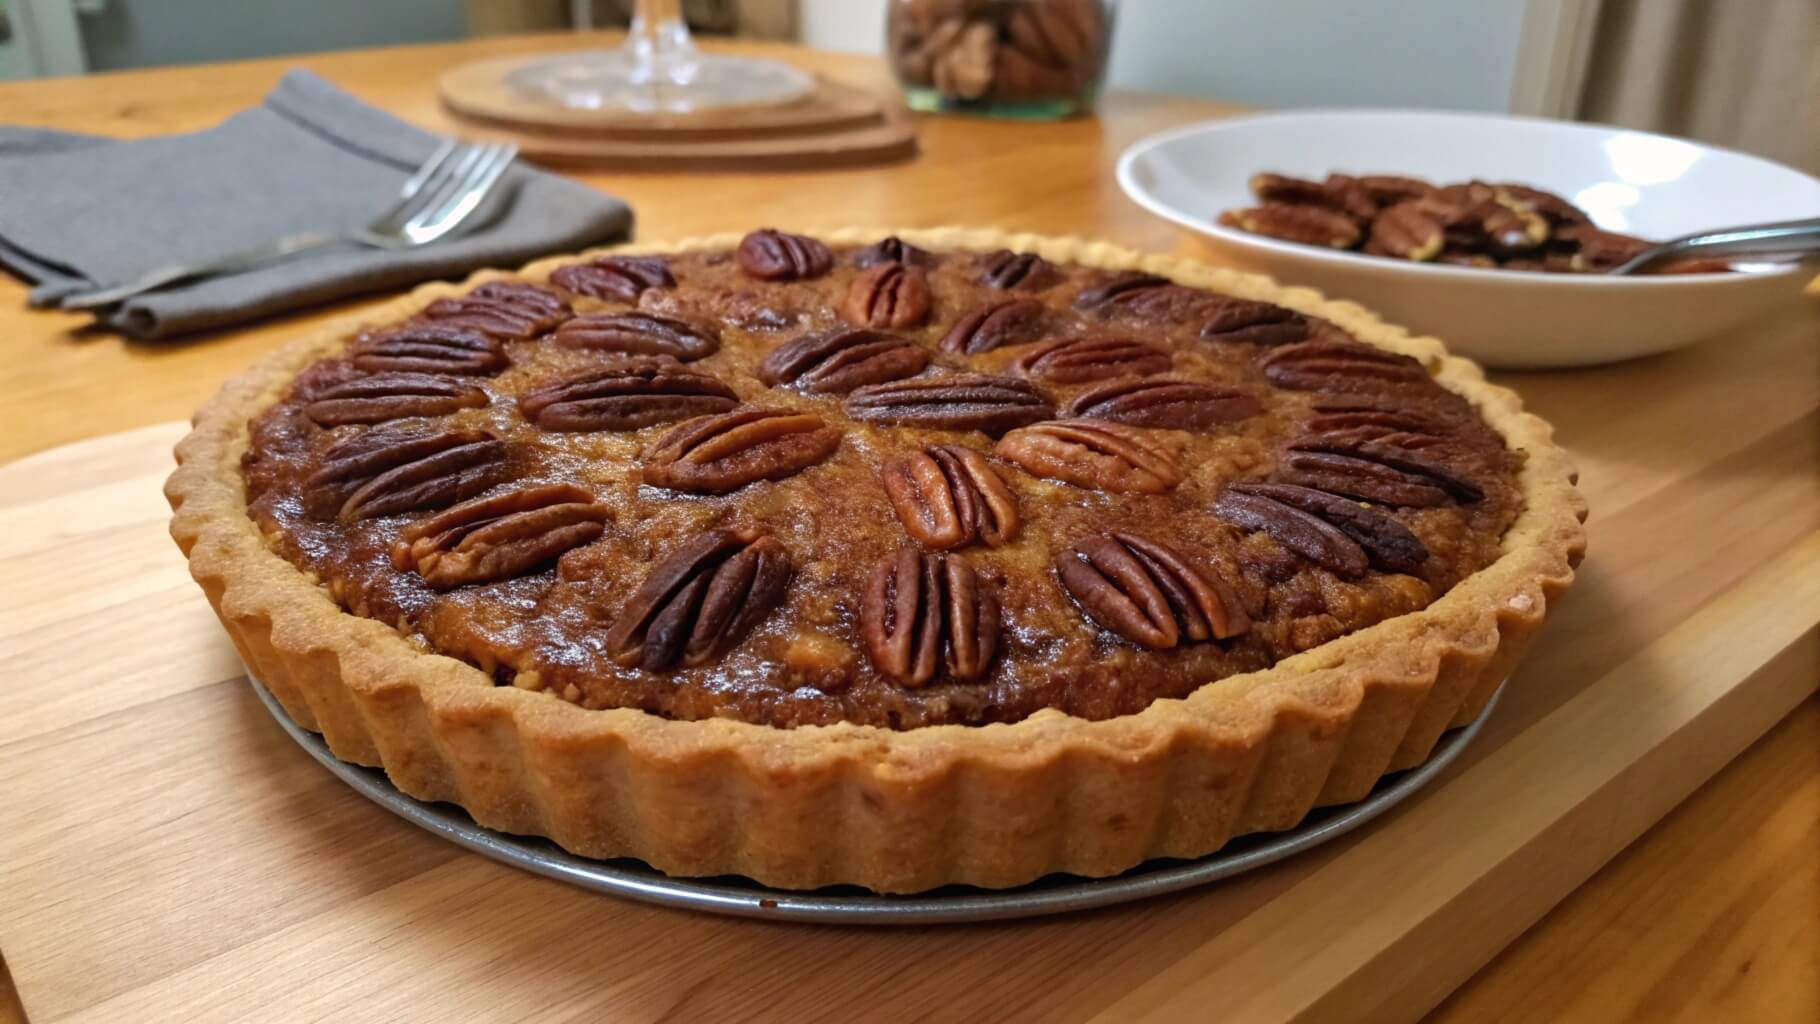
(950,557)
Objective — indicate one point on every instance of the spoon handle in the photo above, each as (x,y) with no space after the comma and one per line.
(1783,238)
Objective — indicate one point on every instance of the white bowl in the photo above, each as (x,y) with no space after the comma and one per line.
(1643,184)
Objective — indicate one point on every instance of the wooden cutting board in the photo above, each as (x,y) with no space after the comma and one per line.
(169,855)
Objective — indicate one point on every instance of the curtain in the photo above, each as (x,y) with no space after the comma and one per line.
(1739,73)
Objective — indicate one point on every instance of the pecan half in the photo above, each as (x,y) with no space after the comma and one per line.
(1174,403)
(1124,286)
(499,537)
(1147,593)
(385,471)
(1555,209)
(1061,36)
(1255,323)
(919,607)
(1389,189)
(1310,536)
(1385,452)
(995,325)
(1087,453)
(701,601)
(1600,250)
(948,496)
(1338,366)
(1091,358)
(958,401)
(640,334)
(390,396)
(1347,412)
(890,296)
(625,398)
(836,362)
(1005,270)
(502,309)
(429,348)
(892,250)
(1384,542)
(522,296)
(1510,226)
(721,453)
(1343,192)
(1454,256)
(776,256)
(1340,193)
(1406,231)
(963,68)
(1310,225)
(614,278)
(1359,478)
(1282,188)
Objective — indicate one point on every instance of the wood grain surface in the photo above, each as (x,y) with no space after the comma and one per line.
(168,855)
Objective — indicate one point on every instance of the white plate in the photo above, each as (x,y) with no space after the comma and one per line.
(1649,185)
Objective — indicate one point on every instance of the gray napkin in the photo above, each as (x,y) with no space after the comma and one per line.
(81,211)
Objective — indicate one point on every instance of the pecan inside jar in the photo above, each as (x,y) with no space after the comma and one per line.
(717,454)
(948,496)
(701,601)
(500,537)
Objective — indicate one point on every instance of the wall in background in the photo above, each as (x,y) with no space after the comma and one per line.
(143,33)
(1428,53)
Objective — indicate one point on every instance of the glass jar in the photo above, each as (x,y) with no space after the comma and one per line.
(1009,58)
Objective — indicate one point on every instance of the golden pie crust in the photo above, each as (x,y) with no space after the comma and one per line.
(894,811)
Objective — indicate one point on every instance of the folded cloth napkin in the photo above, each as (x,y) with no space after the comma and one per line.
(79,212)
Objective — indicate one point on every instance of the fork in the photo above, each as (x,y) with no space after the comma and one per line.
(1785,238)
(434,201)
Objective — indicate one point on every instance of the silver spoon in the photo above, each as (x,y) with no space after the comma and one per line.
(1784,238)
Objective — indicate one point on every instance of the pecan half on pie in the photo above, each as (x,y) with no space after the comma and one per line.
(949,557)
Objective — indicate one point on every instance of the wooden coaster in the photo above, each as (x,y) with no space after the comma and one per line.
(479,91)
(836,124)
(891,137)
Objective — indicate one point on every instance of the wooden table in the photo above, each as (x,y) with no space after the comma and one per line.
(1701,471)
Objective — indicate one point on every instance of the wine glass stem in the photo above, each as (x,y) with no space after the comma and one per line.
(659,38)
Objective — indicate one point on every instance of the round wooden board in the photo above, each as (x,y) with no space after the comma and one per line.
(890,134)
(887,141)
(478,91)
